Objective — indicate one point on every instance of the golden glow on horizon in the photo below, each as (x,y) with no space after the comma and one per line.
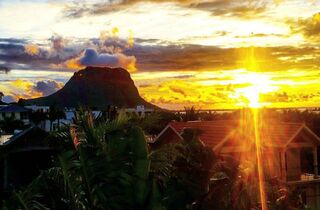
(258,84)
(230,88)
(208,90)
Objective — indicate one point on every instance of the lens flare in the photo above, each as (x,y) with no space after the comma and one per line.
(257,84)
(258,150)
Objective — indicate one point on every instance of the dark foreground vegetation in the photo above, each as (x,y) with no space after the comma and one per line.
(108,165)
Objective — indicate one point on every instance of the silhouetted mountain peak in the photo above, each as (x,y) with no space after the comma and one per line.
(95,87)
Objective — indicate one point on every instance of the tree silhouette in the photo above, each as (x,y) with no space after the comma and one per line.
(191,114)
(1,95)
(55,114)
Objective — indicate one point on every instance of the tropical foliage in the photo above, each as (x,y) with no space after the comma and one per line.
(9,124)
(1,95)
(108,165)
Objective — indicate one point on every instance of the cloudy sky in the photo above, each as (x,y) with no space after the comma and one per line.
(207,53)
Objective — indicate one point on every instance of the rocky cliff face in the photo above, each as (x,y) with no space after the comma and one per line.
(95,87)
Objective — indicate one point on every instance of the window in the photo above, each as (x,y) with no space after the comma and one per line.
(55,127)
(303,196)
(24,116)
(306,158)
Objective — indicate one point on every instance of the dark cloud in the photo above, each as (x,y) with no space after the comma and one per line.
(197,57)
(109,44)
(156,57)
(47,87)
(242,9)
(57,42)
(13,40)
(233,8)
(177,90)
(79,9)
(92,58)
(145,85)
(4,69)
(261,35)
(179,57)
(183,77)
(308,27)
(14,55)
(285,97)
(276,97)
(53,55)
(8,99)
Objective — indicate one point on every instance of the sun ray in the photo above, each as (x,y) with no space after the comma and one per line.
(258,150)
(257,84)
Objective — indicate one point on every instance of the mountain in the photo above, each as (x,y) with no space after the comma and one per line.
(95,87)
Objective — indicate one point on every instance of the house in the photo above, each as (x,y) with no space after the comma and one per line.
(22,156)
(3,104)
(140,111)
(69,117)
(15,112)
(35,108)
(289,150)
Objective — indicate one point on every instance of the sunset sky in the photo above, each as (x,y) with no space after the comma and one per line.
(206,53)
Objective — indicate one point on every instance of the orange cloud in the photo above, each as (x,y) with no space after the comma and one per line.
(32,49)
(17,89)
(128,62)
(74,64)
(131,39)
(22,89)
(115,31)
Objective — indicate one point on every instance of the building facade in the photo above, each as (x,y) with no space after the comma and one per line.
(15,112)
(289,150)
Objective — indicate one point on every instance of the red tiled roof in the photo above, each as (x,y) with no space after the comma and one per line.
(213,132)
(279,134)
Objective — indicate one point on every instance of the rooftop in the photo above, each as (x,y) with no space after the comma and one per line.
(211,132)
(3,103)
(4,139)
(214,133)
(13,108)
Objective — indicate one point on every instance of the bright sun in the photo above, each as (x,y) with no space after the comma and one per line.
(256,84)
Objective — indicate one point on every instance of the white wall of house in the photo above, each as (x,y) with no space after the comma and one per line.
(16,115)
(46,124)
(35,108)
(140,110)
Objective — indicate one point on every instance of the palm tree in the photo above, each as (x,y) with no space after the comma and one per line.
(55,114)
(38,116)
(108,168)
(1,96)
(191,114)
(10,124)
(183,171)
